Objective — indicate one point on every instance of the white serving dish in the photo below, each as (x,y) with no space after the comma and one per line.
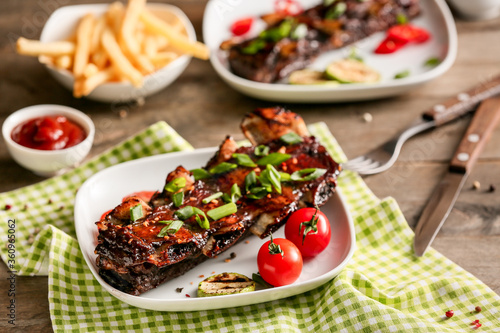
(105,190)
(48,162)
(436,18)
(62,23)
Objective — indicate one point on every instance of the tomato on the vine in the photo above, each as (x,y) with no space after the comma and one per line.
(279,262)
(309,230)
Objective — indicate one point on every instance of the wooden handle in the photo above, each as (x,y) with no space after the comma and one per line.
(463,102)
(482,125)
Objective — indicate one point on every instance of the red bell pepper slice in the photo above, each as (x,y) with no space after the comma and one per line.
(408,33)
(242,26)
(389,45)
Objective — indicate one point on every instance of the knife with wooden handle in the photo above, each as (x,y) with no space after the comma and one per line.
(441,201)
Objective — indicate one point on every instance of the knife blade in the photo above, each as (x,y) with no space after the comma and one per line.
(446,193)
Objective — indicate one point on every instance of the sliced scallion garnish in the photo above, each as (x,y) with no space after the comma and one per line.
(284,176)
(336,12)
(176,184)
(308,174)
(200,174)
(244,160)
(257,193)
(186,212)
(136,212)
(432,62)
(212,197)
(261,150)
(273,159)
(223,167)
(291,138)
(222,211)
(178,198)
(402,74)
(171,227)
(250,181)
(235,192)
(274,177)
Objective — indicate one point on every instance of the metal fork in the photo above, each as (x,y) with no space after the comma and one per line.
(383,157)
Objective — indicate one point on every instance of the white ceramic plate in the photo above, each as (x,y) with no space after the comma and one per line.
(435,17)
(105,190)
(63,22)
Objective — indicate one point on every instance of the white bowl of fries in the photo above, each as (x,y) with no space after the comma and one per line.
(114,52)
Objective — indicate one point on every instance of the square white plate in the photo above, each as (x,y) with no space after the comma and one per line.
(436,18)
(105,190)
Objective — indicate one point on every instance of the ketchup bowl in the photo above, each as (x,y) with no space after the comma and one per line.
(48,162)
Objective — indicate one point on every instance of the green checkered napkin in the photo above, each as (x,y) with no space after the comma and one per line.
(383,289)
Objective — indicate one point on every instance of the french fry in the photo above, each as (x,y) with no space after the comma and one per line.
(90,70)
(156,25)
(96,34)
(114,16)
(129,24)
(120,62)
(64,62)
(162,59)
(84,86)
(149,46)
(83,37)
(100,58)
(37,48)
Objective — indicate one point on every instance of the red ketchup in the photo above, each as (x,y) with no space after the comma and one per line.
(48,133)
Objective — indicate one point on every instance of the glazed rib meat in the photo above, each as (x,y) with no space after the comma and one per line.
(283,47)
(134,256)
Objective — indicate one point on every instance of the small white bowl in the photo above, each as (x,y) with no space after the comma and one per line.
(48,163)
(62,23)
(476,10)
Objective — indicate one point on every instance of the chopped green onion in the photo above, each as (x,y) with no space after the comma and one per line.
(172,227)
(222,211)
(401,18)
(186,212)
(308,174)
(212,197)
(328,2)
(176,184)
(284,176)
(250,181)
(254,46)
(257,193)
(432,62)
(270,176)
(200,174)
(136,212)
(223,167)
(273,158)
(291,138)
(178,199)
(244,160)
(402,74)
(235,192)
(299,32)
(336,12)
(202,223)
(261,150)
(277,33)
(226,198)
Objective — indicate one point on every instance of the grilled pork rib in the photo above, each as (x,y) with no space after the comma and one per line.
(278,51)
(134,259)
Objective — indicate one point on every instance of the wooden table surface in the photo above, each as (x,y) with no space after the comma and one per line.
(203,109)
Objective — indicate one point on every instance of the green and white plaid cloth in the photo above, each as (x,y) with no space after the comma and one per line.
(383,289)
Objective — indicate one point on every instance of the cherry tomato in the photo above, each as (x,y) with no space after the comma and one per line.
(389,45)
(309,229)
(287,7)
(408,33)
(242,26)
(279,262)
